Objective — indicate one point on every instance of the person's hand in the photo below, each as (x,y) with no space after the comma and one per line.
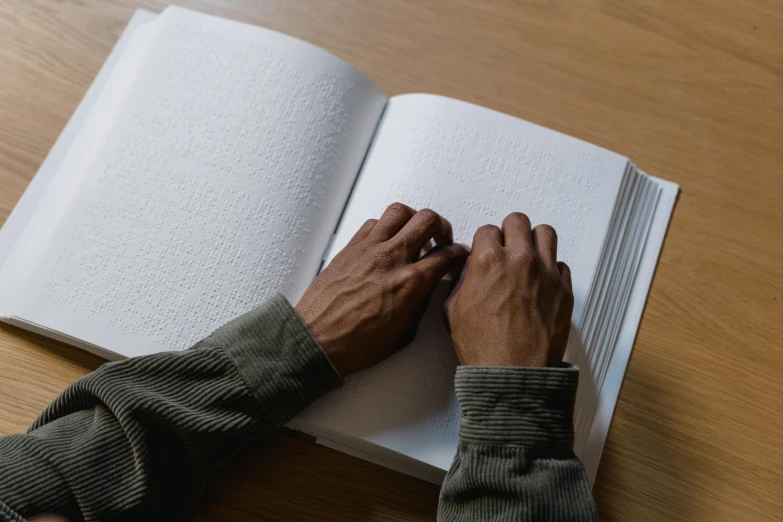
(512,303)
(366,304)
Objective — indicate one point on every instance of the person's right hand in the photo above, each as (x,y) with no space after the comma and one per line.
(512,304)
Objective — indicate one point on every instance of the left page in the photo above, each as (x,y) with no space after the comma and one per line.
(210,175)
(14,226)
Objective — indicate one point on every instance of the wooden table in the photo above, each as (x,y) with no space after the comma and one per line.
(692,90)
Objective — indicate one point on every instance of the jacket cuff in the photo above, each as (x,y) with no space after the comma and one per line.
(530,408)
(278,358)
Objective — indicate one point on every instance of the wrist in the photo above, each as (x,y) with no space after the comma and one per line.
(278,359)
(493,353)
(330,343)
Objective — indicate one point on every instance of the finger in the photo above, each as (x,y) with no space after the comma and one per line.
(363,231)
(439,262)
(413,326)
(424,226)
(487,236)
(565,275)
(545,241)
(516,232)
(393,219)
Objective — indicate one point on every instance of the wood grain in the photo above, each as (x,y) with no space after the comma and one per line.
(690,89)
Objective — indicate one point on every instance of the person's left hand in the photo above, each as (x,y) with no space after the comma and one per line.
(366,304)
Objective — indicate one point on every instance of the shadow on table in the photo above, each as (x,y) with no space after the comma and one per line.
(286,478)
(51,348)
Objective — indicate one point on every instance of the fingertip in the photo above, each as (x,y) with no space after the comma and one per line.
(459,249)
(465,246)
(446,236)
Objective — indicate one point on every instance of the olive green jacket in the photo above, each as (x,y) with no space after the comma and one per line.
(138,439)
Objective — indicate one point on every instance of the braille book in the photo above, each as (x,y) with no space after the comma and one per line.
(214,163)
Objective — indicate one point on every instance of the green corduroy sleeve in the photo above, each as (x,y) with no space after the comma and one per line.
(515,460)
(137,439)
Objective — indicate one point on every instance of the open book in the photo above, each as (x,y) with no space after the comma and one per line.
(213,163)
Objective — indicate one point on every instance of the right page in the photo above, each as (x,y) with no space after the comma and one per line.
(474,166)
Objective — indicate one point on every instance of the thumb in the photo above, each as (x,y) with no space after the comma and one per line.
(458,277)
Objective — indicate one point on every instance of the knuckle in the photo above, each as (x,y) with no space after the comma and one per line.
(553,280)
(412,278)
(526,255)
(490,256)
(416,277)
(370,223)
(526,258)
(382,257)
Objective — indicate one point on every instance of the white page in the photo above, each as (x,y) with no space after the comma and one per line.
(620,272)
(474,166)
(67,173)
(22,213)
(221,179)
(610,391)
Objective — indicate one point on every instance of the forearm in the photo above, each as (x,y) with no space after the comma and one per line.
(515,459)
(137,439)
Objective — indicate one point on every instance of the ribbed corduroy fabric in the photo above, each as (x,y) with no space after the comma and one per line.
(515,459)
(137,439)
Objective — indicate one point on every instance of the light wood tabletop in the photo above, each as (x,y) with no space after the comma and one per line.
(692,90)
